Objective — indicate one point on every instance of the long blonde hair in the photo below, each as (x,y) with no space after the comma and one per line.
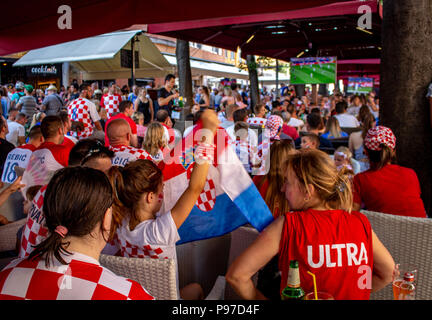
(155,138)
(315,167)
(274,197)
(333,127)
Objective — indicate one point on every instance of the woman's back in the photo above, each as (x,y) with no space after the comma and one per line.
(144,107)
(154,238)
(356,141)
(82,279)
(334,245)
(392,189)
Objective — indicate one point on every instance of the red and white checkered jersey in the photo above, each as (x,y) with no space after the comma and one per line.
(83,278)
(35,229)
(84,111)
(124,154)
(111,103)
(153,238)
(44,162)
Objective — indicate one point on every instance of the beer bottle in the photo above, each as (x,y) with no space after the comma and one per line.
(407,288)
(293,290)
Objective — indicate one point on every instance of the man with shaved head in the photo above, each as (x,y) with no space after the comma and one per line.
(119,136)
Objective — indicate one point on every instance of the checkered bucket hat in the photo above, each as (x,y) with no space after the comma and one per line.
(379,135)
(274,125)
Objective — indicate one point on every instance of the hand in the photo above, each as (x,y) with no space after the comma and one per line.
(3,220)
(16,185)
(175,95)
(210,120)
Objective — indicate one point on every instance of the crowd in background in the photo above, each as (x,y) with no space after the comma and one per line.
(315,164)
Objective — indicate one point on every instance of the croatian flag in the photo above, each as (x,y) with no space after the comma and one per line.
(229,198)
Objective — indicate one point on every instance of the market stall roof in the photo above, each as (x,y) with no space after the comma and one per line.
(327,30)
(100,57)
(34,25)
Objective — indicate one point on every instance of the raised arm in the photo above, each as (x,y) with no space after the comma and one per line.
(198,178)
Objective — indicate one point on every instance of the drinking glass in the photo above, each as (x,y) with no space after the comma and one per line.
(321,296)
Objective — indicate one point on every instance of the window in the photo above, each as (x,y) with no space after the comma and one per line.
(215,50)
(232,55)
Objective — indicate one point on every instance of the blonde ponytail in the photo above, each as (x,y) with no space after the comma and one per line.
(314,167)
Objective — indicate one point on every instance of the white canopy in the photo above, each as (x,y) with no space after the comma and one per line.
(99,57)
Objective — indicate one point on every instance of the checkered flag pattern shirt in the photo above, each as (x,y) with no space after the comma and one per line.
(154,238)
(35,229)
(78,110)
(82,279)
(111,104)
(129,250)
(133,153)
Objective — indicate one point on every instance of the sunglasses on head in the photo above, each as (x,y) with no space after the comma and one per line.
(92,151)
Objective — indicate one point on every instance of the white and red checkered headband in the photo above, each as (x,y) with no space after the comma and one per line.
(379,135)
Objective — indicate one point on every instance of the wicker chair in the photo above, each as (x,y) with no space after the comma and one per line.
(8,235)
(409,240)
(157,276)
(241,239)
(8,238)
(203,261)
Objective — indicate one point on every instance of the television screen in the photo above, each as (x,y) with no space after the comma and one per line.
(313,70)
(360,85)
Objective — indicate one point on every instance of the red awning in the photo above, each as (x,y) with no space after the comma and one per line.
(31,25)
(330,29)
(335,8)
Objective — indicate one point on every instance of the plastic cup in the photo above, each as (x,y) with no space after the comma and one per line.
(321,296)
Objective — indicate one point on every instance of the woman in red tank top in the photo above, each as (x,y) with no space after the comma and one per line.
(322,233)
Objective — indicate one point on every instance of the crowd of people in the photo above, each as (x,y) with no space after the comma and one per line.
(91,175)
